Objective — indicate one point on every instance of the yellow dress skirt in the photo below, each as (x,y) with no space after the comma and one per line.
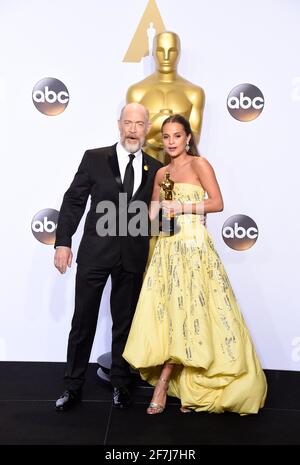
(187,314)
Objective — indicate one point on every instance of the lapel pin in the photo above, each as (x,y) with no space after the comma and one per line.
(146,167)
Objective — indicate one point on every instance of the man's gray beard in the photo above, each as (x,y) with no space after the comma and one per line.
(132,148)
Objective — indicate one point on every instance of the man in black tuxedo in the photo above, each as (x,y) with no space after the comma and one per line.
(104,174)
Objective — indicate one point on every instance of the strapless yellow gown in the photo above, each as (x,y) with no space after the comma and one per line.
(187,314)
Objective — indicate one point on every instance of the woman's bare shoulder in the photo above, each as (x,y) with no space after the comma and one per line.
(201,163)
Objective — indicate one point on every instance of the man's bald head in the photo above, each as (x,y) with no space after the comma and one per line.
(136,107)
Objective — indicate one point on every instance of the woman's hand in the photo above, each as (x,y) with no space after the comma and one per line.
(175,207)
(172,207)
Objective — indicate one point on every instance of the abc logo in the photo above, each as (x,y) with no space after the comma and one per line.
(50,96)
(240,232)
(245,102)
(44,224)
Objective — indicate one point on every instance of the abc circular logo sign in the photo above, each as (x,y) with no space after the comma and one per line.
(240,232)
(43,225)
(245,102)
(50,96)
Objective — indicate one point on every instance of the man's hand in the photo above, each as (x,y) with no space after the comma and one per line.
(63,258)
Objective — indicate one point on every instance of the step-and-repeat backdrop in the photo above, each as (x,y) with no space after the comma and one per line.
(65,69)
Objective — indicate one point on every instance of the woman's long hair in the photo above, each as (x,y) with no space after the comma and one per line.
(187,129)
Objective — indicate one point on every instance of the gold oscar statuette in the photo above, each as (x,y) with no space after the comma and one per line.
(168,219)
(165,93)
(168,186)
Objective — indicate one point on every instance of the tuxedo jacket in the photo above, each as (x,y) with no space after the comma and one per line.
(98,176)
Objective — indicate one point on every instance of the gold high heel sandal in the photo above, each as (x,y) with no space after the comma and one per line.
(185,409)
(154,407)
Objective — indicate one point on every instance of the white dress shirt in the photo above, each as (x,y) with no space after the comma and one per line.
(123,160)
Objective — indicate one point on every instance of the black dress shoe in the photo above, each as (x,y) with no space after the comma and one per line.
(121,397)
(68,400)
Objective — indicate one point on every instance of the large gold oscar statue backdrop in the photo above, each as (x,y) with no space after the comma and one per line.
(165,93)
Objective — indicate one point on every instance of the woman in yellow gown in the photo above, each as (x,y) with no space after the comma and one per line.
(188,337)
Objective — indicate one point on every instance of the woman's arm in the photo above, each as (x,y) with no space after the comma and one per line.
(208,181)
(154,205)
